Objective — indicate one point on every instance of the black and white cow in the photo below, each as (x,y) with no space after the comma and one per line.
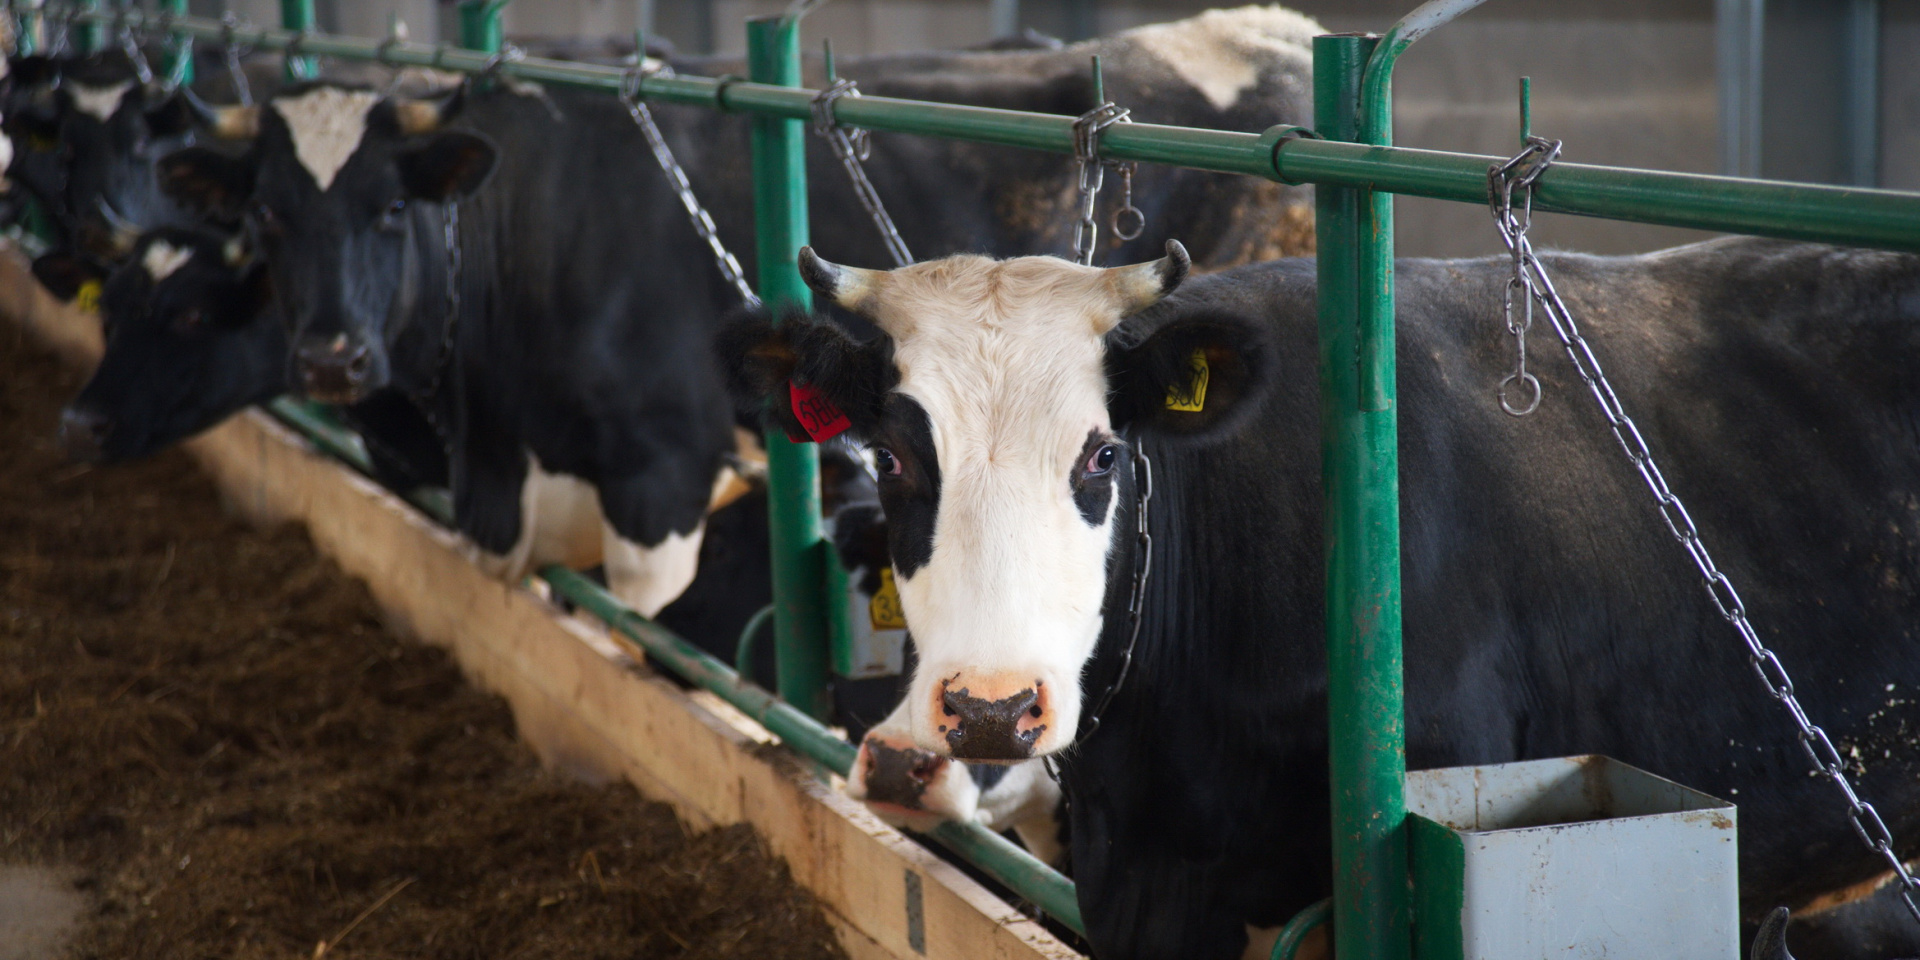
(192,338)
(1547,610)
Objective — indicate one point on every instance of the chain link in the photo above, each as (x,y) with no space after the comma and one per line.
(853,146)
(1137,592)
(242,90)
(1518,176)
(1093,175)
(676,177)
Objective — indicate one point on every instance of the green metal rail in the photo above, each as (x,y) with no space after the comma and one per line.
(1357,172)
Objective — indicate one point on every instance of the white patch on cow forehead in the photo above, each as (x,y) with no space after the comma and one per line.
(1007,352)
(327,125)
(163,259)
(98,102)
(1221,52)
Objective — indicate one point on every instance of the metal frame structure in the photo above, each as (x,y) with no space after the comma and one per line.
(1356,170)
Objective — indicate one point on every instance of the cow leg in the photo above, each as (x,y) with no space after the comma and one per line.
(655,521)
(647,578)
(906,786)
(489,486)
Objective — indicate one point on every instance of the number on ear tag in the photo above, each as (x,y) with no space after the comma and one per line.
(1193,398)
(884,610)
(88,296)
(817,415)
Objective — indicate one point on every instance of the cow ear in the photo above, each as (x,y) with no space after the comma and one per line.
(1192,377)
(448,166)
(764,362)
(207,181)
(64,274)
(32,70)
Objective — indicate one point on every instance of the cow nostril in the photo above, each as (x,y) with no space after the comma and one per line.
(926,769)
(1034,711)
(358,363)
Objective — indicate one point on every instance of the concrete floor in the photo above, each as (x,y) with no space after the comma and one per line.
(38,910)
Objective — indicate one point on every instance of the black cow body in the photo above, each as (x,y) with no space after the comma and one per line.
(1548,611)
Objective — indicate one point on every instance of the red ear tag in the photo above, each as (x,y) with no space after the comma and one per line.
(817,415)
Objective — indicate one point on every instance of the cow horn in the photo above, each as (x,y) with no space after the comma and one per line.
(126,233)
(427,116)
(1142,285)
(225,123)
(846,286)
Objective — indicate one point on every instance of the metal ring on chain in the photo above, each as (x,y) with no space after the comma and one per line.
(1527,380)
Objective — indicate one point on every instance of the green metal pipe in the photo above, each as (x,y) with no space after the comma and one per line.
(26,31)
(1366,742)
(179,65)
(92,35)
(1856,216)
(297,16)
(1287,945)
(800,628)
(743,648)
(480,27)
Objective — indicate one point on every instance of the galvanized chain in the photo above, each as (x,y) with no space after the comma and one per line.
(130,45)
(1086,150)
(181,55)
(423,400)
(1137,593)
(1520,175)
(853,146)
(630,93)
(242,90)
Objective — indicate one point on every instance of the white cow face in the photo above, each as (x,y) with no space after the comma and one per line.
(999,418)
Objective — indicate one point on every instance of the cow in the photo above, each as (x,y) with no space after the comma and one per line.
(1013,406)
(192,337)
(575,376)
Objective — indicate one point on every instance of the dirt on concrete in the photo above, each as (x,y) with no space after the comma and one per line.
(206,729)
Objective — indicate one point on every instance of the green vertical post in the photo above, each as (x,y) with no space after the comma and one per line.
(26,20)
(180,56)
(297,15)
(91,35)
(793,469)
(480,25)
(1360,476)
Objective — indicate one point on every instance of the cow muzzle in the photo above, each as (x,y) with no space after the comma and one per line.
(83,434)
(997,719)
(336,370)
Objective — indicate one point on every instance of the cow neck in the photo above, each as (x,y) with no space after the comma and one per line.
(1136,594)
(427,397)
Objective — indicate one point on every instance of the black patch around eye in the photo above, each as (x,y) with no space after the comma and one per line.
(912,502)
(1093,494)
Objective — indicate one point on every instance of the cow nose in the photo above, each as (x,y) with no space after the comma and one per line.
(986,720)
(83,434)
(334,370)
(899,774)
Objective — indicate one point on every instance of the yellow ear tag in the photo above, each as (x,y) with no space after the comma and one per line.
(88,297)
(884,609)
(1194,398)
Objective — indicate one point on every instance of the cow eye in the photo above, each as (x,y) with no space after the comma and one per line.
(1102,459)
(885,462)
(390,218)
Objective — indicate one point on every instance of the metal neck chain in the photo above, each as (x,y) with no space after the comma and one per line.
(677,178)
(853,146)
(142,70)
(1519,175)
(443,359)
(1137,593)
(242,90)
(1128,221)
